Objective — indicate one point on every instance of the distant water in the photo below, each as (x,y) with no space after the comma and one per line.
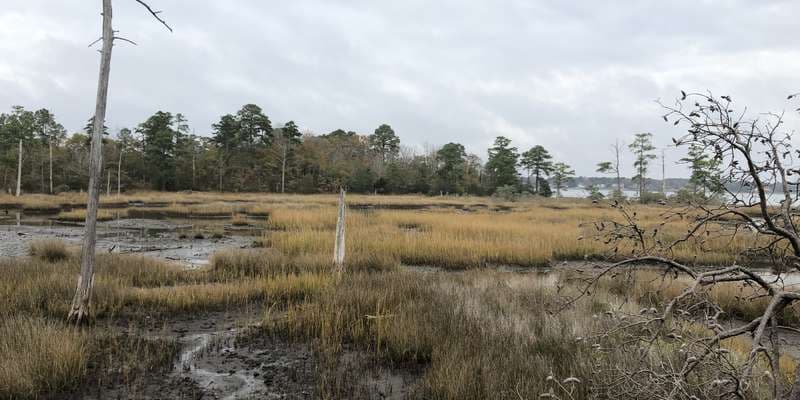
(576,192)
(583,193)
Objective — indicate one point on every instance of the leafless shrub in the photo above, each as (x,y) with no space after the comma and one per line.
(688,346)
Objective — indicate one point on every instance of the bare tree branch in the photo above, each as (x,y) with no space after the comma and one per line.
(154,14)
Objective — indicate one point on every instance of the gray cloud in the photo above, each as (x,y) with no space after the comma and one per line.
(573,76)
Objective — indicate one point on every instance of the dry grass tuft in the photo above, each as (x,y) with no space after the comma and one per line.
(50,250)
(80,215)
(38,357)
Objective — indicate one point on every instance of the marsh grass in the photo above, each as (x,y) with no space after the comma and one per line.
(127,286)
(534,234)
(472,335)
(475,336)
(79,215)
(50,250)
(38,357)
(481,334)
(176,210)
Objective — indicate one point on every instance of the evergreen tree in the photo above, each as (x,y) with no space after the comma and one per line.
(385,143)
(705,178)
(158,136)
(451,162)
(562,175)
(642,149)
(226,138)
(502,163)
(538,161)
(254,128)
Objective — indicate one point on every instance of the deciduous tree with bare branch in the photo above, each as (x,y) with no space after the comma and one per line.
(678,347)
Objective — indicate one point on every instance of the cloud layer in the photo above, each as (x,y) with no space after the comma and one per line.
(572,76)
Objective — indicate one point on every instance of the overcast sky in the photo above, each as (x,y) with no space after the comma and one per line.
(570,75)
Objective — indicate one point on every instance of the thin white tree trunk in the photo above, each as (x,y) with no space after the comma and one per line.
(108,183)
(119,173)
(220,175)
(79,311)
(619,177)
(19,169)
(663,173)
(50,145)
(283,170)
(338,250)
(194,165)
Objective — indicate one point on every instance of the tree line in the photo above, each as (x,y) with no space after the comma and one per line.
(245,152)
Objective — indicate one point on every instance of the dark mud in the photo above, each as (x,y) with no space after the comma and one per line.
(220,356)
(224,355)
(177,241)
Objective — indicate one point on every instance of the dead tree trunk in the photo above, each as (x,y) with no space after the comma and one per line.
(19,169)
(663,173)
(194,166)
(338,250)
(50,145)
(41,177)
(108,183)
(616,166)
(283,169)
(220,175)
(79,312)
(119,173)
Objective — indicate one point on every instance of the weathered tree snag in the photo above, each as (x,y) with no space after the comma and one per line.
(50,145)
(283,168)
(338,250)
(79,312)
(119,173)
(194,166)
(108,183)
(663,173)
(19,169)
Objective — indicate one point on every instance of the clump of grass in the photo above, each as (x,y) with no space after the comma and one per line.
(258,262)
(80,215)
(127,358)
(259,210)
(50,250)
(178,210)
(38,357)
(42,207)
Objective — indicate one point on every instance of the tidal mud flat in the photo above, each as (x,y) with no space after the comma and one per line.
(189,243)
